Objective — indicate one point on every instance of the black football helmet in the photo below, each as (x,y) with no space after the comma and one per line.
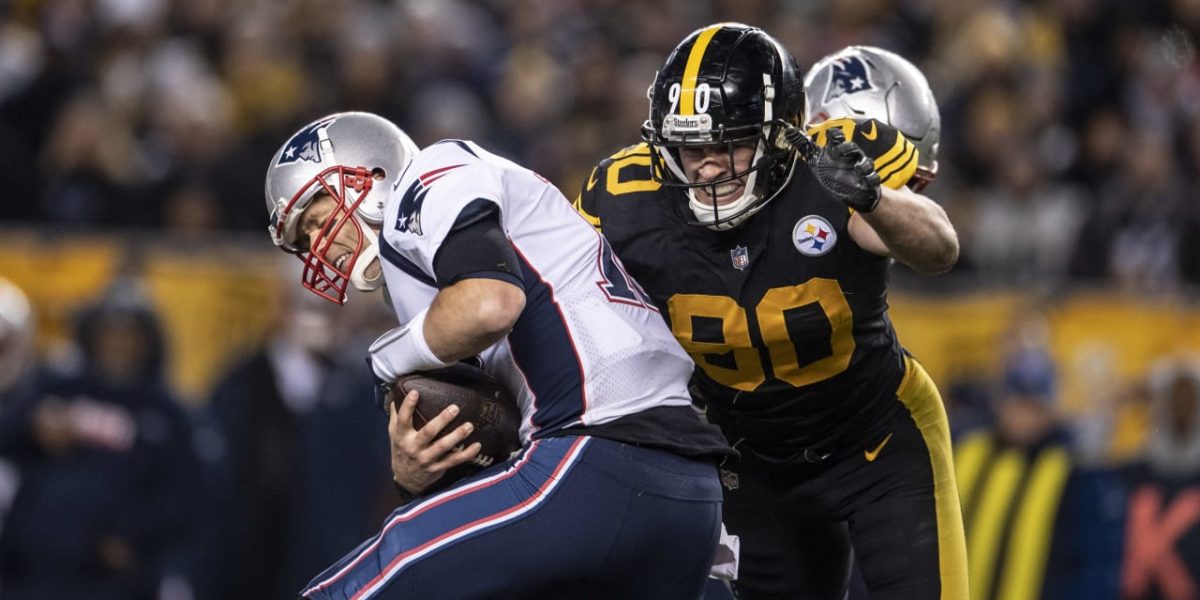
(726,84)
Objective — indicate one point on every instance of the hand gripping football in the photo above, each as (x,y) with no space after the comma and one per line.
(481,400)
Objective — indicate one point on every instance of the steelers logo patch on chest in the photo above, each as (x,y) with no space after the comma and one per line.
(814,236)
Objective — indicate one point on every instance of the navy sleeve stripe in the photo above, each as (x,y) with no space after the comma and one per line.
(393,256)
(474,211)
(460,144)
(545,353)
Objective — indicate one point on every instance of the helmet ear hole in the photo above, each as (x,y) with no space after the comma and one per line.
(378,174)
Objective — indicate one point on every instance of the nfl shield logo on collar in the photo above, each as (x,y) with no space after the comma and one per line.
(740,257)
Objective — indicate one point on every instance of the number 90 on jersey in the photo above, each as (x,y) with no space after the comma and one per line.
(715,331)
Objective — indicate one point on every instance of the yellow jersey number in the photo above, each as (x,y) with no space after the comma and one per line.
(635,156)
(748,371)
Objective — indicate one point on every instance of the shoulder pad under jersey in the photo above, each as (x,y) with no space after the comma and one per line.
(625,172)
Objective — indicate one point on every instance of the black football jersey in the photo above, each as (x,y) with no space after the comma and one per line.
(785,316)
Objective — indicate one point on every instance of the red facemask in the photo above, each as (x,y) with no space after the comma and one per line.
(348,189)
(923,177)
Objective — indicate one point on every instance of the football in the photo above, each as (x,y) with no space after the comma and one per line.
(481,400)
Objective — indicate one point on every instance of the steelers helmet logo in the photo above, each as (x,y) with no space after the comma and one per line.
(814,236)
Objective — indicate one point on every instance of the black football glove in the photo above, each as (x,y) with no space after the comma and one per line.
(846,172)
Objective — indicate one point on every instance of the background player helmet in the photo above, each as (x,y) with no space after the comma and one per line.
(355,158)
(16,334)
(726,84)
(863,82)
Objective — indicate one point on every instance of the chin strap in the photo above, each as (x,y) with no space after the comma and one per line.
(368,256)
(704,212)
(743,208)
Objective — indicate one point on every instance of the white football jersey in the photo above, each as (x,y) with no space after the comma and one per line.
(590,346)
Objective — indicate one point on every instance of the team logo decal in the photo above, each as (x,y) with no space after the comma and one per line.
(306,145)
(740,257)
(408,215)
(849,76)
(814,236)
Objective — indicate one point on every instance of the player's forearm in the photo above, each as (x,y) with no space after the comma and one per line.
(916,230)
(471,315)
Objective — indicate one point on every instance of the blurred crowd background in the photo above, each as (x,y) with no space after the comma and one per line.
(184,423)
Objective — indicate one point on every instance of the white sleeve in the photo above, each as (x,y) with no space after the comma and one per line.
(434,198)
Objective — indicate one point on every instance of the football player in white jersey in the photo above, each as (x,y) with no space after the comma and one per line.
(614,493)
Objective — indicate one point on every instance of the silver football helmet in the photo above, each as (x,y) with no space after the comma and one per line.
(864,82)
(355,158)
(16,334)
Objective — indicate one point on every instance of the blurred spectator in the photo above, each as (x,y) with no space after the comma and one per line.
(1056,114)
(1039,525)
(533,92)
(1102,150)
(17,355)
(107,472)
(88,167)
(191,210)
(1137,235)
(1025,227)
(968,403)
(1106,419)
(309,452)
(17,376)
(445,111)
(1162,539)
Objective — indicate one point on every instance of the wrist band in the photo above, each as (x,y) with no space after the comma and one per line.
(403,350)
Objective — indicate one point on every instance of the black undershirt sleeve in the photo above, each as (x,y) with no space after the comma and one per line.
(477,248)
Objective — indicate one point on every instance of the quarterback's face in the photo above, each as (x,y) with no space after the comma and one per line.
(345,242)
(713,163)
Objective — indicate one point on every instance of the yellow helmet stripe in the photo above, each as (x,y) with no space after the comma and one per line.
(687,97)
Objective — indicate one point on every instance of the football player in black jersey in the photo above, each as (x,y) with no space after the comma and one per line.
(768,256)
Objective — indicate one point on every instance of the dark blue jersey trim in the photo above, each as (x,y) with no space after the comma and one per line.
(474,211)
(460,144)
(393,256)
(544,351)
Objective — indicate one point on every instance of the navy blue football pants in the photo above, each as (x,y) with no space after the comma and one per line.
(570,517)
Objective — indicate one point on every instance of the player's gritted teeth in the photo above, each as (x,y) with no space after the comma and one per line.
(725,192)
